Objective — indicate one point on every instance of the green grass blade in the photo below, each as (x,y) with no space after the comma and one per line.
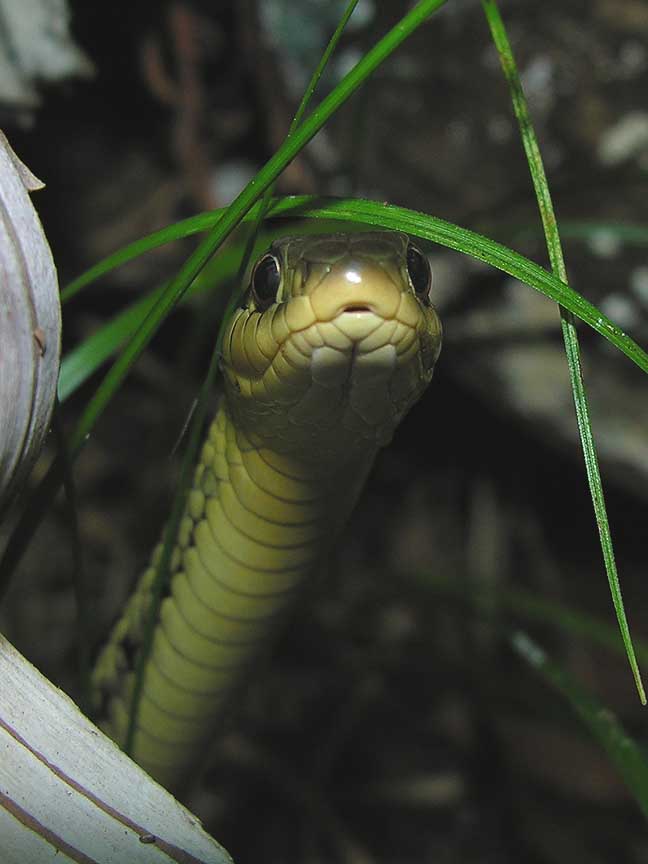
(622,750)
(483,249)
(296,141)
(319,69)
(179,231)
(301,110)
(239,207)
(568,325)
(358,211)
(528,605)
(595,232)
(80,363)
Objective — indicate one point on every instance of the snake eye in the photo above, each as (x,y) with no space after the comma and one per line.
(419,272)
(265,281)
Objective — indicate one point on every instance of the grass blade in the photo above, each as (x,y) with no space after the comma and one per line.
(622,750)
(240,206)
(82,361)
(568,325)
(528,605)
(361,212)
(595,233)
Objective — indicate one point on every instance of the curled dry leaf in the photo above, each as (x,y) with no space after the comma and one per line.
(69,795)
(30,325)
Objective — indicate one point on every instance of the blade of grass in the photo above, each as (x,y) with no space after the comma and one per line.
(591,231)
(321,66)
(266,198)
(240,206)
(265,202)
(82,361)
(526,604)
(85,359)
(483,249)
(179,230)
(568,324)
(622,750)
(358,211)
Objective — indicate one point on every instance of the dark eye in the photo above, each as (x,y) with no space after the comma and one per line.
(418,270)
(265,281)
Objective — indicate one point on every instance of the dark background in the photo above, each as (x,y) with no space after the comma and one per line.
(391,722)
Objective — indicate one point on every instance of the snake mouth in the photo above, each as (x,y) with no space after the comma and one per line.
(356,307)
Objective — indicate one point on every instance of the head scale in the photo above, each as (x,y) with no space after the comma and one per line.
(336,339)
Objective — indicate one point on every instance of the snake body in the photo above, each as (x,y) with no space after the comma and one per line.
(335,340)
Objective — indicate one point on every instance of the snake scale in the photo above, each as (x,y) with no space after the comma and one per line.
(335,340)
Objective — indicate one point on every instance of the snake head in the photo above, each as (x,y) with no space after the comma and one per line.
(335,341)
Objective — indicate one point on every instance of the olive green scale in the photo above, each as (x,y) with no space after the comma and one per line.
(256,522)
(335,341)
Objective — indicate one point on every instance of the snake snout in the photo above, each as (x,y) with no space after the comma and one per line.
(355,287)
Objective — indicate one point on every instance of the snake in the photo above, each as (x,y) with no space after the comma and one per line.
(333,342)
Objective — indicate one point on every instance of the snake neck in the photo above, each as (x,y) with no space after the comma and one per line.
(334,341)
(256,523)
(322,482)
